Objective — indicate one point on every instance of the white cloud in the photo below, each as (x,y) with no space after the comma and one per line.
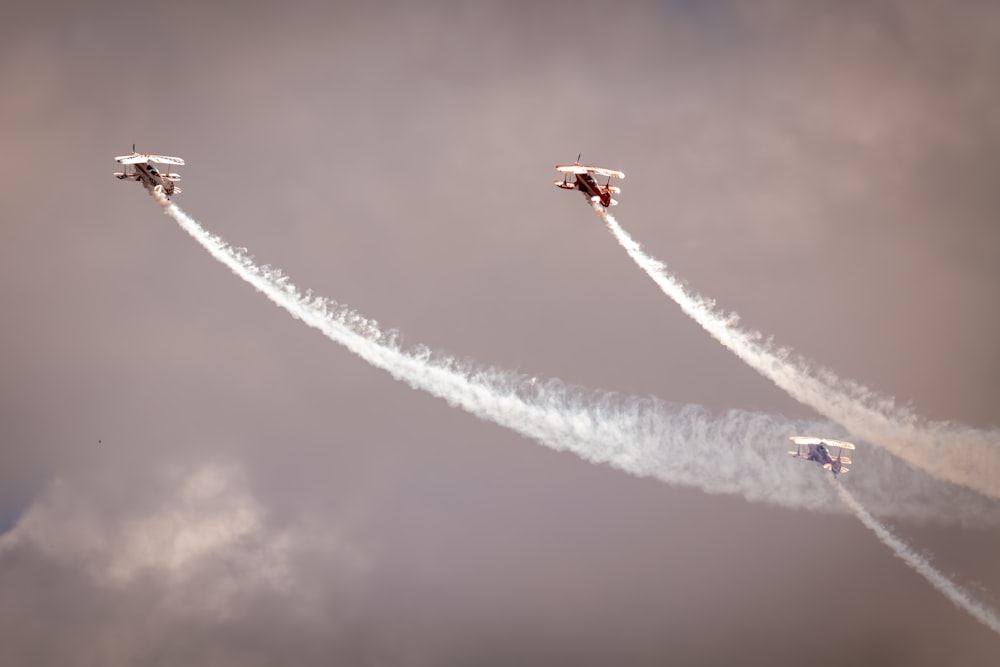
(205,541)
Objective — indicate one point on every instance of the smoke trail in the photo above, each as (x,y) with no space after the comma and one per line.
(959,454)
(682,445)
(733,453)
(962,599)
(737,452)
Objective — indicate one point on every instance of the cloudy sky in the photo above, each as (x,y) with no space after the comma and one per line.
(192,476)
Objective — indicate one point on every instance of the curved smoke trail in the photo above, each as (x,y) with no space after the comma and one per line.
(961,598)
(684,445)
(959,454)
(737,452)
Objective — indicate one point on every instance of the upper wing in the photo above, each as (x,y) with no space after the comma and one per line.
(605,172)
(134,158)
(165,159)
(584,169)
(843,444)
(811,440)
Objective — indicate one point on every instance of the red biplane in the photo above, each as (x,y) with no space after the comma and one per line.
(585,182)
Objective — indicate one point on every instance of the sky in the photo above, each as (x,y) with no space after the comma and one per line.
(193,476)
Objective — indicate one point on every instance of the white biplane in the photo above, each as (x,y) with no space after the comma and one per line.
(817,449)
(144,172)
(584,182)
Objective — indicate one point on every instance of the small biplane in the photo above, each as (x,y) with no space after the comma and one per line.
(585,182)
(817,449)
(144,172)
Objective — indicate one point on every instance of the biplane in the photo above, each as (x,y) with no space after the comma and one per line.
(817,449)
(585,182)
(144,171)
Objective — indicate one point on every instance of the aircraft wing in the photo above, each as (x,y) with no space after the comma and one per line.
(584,169)
(134,158)
(605,172)
(843,444)
(829,442)
(165,159)
(571,168)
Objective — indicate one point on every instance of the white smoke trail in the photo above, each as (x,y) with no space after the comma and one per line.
(961,598)
(956,453)
(685,445)
(737,452)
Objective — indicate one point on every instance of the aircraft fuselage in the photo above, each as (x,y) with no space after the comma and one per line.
(586,184)
(821,455)
(149,176)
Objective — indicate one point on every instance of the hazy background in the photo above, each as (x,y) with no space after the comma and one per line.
(191,476)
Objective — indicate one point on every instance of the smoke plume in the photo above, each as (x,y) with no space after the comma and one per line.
(952,452)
